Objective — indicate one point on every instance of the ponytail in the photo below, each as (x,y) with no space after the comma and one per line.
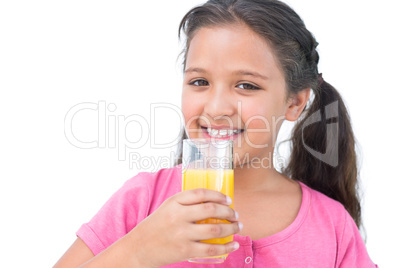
(323,150)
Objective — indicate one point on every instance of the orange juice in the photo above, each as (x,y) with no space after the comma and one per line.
(220,180)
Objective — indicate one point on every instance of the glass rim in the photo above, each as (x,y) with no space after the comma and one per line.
(208,141)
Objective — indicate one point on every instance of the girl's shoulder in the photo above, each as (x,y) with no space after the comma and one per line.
(155,187)
(161,178)
(323,209)
(320,200)
(326,220)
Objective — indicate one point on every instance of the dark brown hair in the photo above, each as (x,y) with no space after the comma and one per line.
(323,147)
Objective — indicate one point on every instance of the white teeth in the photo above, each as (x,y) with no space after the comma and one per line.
(222,133)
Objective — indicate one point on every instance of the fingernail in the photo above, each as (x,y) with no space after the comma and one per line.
(236,246)
(236,215)
(240,225)
(228,200)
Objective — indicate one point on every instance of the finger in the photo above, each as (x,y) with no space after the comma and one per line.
(201,195)
(210,210)
(217,230)
(209,250)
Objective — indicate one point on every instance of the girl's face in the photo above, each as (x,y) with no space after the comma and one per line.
(234,89)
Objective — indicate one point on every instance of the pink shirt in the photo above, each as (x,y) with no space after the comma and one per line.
(322,235)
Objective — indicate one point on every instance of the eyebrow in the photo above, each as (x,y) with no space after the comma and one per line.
(195,70)
(239,72)
(244,72)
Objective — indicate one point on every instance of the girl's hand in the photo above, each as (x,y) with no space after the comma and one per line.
(170,234)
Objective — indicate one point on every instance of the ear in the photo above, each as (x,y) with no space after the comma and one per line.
(296,104)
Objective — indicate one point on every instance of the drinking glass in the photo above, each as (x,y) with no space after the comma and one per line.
(209,164)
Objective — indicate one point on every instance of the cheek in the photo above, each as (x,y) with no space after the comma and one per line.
(263,114)
(255,115)
(191,108)
(262,123)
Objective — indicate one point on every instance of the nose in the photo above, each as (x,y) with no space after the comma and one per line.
(220,103)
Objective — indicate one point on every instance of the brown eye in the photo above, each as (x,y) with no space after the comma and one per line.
(200,83)
(248,86)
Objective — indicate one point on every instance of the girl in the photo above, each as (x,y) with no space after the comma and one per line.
(248,66)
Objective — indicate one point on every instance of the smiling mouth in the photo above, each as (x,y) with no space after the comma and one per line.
(221,133)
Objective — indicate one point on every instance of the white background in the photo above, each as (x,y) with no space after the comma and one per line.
(57,54)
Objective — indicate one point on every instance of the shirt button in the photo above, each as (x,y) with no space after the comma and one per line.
(248,260)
